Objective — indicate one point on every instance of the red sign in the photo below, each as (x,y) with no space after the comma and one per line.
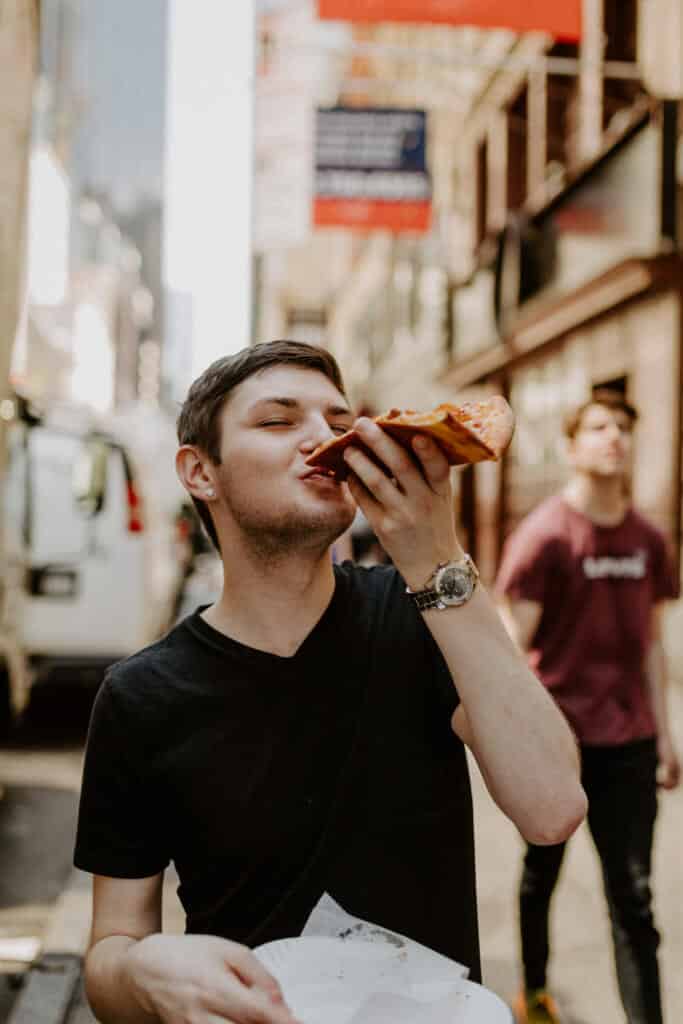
(373,214)
(560,18)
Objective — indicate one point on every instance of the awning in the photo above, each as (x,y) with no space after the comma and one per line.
(560,18)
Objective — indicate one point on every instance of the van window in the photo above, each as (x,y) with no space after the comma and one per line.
(59,530)
(90,476)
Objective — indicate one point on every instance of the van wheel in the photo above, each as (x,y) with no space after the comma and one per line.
(6,709)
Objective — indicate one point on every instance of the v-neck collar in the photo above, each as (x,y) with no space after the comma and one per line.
(226,644)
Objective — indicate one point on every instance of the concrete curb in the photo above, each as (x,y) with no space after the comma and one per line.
(48,991)
(51,988)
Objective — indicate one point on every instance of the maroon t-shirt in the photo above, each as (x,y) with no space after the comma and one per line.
(598,586)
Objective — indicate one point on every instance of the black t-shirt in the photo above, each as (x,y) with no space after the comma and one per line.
(269,780)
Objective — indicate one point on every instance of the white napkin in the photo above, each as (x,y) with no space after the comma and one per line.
(329,920)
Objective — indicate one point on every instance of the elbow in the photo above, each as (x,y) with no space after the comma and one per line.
(559,822)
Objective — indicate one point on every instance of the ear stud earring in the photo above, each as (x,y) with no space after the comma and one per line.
(210,493)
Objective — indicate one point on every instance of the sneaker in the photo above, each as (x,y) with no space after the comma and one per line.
(536,1006)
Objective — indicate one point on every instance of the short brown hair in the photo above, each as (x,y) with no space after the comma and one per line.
(601,396)
(198,419)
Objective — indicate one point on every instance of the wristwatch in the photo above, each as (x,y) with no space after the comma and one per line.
(450,585)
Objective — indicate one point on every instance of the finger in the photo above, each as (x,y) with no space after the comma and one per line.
(251,972)
(235,1002)
(376,482)
(362,497)
(400,463)
(435,465)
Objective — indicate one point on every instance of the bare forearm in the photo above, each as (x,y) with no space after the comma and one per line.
(518,736)
(522,743)
(110,992)
(657,680)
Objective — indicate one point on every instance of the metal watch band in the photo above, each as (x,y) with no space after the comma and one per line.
(432,596)
(425,599)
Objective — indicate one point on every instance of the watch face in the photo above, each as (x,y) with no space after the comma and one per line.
(454,585)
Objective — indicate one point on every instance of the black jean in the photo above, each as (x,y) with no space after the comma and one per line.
(620,783)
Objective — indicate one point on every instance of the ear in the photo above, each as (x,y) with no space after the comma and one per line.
(195,472)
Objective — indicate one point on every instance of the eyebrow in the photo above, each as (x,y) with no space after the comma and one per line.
(293,403)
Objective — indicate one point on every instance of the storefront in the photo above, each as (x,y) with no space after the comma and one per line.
(633,344)
(588,293)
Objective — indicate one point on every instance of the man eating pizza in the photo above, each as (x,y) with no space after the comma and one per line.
(305,734)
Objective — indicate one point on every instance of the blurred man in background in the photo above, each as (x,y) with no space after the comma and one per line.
(582,583)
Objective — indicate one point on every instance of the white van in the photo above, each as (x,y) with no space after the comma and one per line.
(96,563)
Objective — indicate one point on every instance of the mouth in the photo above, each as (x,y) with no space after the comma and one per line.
(320,473)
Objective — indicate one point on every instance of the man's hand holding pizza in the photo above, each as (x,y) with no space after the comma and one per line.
(399,464)
(407,501)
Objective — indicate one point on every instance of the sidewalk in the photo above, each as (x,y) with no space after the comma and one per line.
(581,972)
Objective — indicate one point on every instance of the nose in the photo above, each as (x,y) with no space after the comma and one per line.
(615,432)
(317,432)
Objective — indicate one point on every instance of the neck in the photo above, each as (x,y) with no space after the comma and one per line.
(601,499)
(272,600)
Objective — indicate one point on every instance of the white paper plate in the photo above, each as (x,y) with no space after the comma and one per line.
(338,981)
(478,1005)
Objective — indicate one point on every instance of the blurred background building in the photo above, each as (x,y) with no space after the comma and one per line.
(93,319)
(550,261)
(453,209)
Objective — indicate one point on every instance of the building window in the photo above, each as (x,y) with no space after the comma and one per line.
(482,192)
(562,110)
(621,27)
(517,152)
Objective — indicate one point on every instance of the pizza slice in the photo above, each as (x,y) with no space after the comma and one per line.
(467,433)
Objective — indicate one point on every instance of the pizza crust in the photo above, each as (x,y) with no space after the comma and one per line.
(467,433)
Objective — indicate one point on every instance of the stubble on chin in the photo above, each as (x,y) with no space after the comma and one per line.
(275,533)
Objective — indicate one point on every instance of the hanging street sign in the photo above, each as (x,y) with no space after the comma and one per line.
(371,169)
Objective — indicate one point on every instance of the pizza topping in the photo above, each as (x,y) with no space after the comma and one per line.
(472,432)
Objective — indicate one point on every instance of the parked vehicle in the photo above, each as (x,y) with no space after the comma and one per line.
(92,555)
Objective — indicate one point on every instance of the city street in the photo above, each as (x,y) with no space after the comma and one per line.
(42,897)
(40,773)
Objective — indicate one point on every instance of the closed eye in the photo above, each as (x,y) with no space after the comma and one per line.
(338,428)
